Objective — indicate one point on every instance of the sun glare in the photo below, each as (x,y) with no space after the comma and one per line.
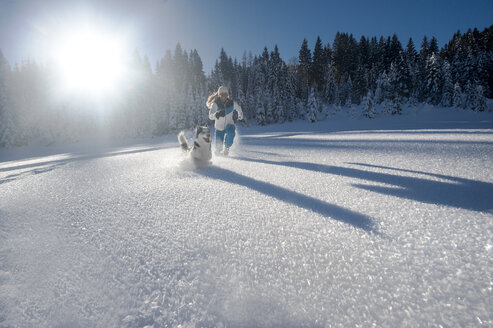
(90,61)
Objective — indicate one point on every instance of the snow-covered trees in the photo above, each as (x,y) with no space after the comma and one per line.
(304,70)
(330,92)
(382,89)
(433,80)
(319,65)
(7,128)
(400,78)
(311,107)
(376,74)
(368,106)
(457,97)
(152,102)
(475,99)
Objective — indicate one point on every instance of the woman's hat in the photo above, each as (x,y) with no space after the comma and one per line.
(222,89)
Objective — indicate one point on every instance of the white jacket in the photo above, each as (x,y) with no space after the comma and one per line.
(229,107)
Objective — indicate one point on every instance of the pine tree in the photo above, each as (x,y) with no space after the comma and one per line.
(345,91)
(412,61)
(396,105)
(387,106)
(191,117)
(345,56)
(304,69)
(433,48)
(290,94)
(467,70)
(319,65)
(368,106)
(457,97)
(249,111)
(260,113)
(387,53)
(395,49)
(373,56)
(447,86)
(476,99)
(364,61)
(225,68)
(275,67)
(360,85)
(469,94)
(197,73)
(311,107)
(330,90)
(269,109)
(275,84)
(300,108)
(381,92)
(400,78)
(290,108)
(433,80)
(484,67)
(411,56)
(259,87)
(180,67)
(372,76)
(424,53)
(234,86)
(265,66)
(481,104)
(181,111)
(215,79)
(7,128)
(279,113)
(413,99)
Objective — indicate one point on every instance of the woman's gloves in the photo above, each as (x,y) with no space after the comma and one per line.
(220,113)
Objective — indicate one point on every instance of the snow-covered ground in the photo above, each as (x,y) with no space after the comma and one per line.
(342,223)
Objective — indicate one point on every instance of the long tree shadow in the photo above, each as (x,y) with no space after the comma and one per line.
(443,126)
(35,171)
(459,192)
(78,157)
(357,144)
(310,203)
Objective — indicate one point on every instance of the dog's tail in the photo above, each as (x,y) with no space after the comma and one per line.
(183,141)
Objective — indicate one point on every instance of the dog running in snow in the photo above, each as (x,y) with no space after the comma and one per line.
(200,150)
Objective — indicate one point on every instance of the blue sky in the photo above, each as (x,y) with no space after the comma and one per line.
(154,26)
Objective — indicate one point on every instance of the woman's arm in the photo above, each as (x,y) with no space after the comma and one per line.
(212,111)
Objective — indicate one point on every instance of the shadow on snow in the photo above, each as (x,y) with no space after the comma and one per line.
(78,157)
(459,192)
(313,204)
(49,165)
(358,144)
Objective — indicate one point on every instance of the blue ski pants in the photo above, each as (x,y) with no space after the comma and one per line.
(226,136)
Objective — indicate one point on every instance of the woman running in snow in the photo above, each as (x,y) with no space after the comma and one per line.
(225,112)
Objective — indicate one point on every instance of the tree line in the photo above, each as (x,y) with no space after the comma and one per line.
(377,75)
(372,73)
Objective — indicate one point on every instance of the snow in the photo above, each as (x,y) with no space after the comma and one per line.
(385,222)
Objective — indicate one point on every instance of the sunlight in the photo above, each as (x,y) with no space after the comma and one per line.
(91,61)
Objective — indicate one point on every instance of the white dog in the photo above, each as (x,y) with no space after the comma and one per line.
(200,151)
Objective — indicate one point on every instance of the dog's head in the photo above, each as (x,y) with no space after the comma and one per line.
(203,133)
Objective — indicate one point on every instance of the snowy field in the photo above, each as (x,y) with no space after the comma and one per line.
(342,223)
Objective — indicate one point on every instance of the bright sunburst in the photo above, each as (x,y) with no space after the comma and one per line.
(90,61)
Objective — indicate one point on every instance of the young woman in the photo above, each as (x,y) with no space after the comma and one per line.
(225,112)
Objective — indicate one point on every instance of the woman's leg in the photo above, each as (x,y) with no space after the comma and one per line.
(230,135)
(219,136)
